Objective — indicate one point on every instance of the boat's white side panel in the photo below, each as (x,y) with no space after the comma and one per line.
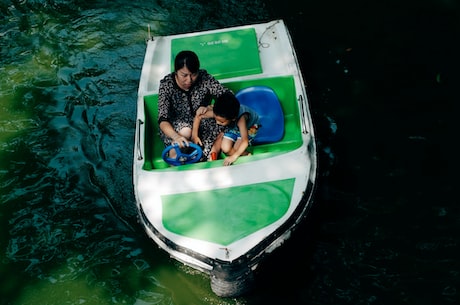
(157,64)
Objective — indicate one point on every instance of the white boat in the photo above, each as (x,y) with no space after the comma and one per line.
(223,220)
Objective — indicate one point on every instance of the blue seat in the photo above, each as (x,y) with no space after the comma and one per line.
(264,101)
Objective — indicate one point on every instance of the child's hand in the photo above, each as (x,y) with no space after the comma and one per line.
(201,110)
(197,140)
(212,156)
(229,160)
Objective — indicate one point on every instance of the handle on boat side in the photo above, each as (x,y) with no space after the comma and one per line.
(302,113)
(138,127)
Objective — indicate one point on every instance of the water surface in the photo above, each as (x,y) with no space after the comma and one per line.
(381,76)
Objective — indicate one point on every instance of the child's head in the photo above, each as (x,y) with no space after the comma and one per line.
(226,108)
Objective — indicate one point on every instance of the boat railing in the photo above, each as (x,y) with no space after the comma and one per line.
(138,132)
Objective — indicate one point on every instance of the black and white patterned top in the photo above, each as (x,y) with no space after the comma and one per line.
(178,106)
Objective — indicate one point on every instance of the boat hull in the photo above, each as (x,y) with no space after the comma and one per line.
(223,220)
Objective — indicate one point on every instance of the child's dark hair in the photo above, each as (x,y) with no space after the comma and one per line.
(227,106)
(187,59)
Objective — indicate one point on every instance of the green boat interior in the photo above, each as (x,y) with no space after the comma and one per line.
(241,59)
(283,86)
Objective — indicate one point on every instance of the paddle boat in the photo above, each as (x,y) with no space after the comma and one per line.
(224,220)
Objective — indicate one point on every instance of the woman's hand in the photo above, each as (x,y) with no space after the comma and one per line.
(181,141)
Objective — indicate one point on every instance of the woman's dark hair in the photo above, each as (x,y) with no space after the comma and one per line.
(187,59)
(227,106)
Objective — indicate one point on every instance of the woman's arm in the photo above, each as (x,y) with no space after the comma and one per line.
(165,92)
(169,131)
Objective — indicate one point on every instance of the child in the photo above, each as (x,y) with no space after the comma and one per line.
(241,125)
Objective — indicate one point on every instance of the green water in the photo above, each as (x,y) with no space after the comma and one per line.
(382,79)
(68,77)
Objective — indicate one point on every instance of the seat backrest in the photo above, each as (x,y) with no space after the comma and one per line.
(265,102)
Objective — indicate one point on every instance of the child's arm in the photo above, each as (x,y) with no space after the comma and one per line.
(244,141)
(216,146)
(196,123)
(196,126)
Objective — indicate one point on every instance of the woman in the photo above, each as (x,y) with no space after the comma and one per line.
(183,94)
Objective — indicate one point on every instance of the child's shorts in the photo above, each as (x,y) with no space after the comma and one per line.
(234,134)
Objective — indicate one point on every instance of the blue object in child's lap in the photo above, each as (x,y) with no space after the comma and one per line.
(264,101)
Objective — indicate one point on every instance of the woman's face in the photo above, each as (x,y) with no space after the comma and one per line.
(185,78)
